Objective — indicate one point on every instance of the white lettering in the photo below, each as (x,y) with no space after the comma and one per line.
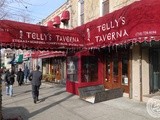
(111,36)
(67,39)
(111,24)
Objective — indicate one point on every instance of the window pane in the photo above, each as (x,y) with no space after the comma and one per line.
(115,64)
(105,7)
(82,12)
(72,68)
(108,67)
(125,69)
(89,69)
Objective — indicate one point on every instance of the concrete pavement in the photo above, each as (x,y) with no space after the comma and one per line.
(57,104)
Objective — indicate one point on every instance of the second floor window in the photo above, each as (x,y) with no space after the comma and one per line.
(105,7)
(81,12)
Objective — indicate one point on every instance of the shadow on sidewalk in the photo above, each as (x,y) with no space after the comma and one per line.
(49,106)
(21,113)
(15,113)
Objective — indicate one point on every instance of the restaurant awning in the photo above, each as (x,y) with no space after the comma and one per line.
(48,54)
(56,21)
(24,35)
(50,24)
(65,16)
(137,22)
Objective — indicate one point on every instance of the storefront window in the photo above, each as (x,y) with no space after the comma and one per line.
(115,67)
(108,68)
(72,68)
(125,69)
(89,68)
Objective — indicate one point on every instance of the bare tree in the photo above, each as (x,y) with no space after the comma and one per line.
(10,12)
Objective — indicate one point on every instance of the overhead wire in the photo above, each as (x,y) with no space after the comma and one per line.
(19,10)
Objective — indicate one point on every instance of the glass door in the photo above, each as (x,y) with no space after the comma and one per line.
(155,73)
(117,70)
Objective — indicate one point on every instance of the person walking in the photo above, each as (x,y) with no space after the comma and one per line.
(20,77)
(26,73)
(35,77)
(9,81)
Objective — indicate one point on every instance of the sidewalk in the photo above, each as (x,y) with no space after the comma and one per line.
(57,104)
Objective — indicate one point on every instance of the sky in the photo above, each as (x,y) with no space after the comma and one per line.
(33,11)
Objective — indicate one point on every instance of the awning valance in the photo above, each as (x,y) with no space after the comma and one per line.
(18,34)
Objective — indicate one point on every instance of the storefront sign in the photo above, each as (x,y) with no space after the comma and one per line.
(38,36)
(137,22)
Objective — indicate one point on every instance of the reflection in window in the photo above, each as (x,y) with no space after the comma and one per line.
(72,68)
(105,7)
(108,67)
(125,69)
(89,68)
(115,64)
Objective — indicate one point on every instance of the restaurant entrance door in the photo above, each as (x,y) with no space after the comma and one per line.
(117,70)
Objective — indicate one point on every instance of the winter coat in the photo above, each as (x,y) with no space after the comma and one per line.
(20,76)
(36,77)
(9,78)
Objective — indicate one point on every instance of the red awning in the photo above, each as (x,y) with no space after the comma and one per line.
(47,54)
(18,34)
(50,24)
(56,21)
(137,22)
(65,16)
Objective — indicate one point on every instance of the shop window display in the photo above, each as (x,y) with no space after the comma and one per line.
(125,60)
(89,68)
(115,67)
(72,68)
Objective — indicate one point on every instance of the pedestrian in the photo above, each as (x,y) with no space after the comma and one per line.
(26,73)
(20,77)
(35,77)
(3,73)
(9,81)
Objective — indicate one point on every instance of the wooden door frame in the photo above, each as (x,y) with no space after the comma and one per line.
(111,84)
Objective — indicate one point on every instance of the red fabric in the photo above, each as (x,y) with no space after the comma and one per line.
(65,16)
(47,54)
(36,36)
(137,22)
(56,20)
(50,24)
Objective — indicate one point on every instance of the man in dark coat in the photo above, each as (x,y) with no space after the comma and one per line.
(20,77)
(36,82)
(9,81)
